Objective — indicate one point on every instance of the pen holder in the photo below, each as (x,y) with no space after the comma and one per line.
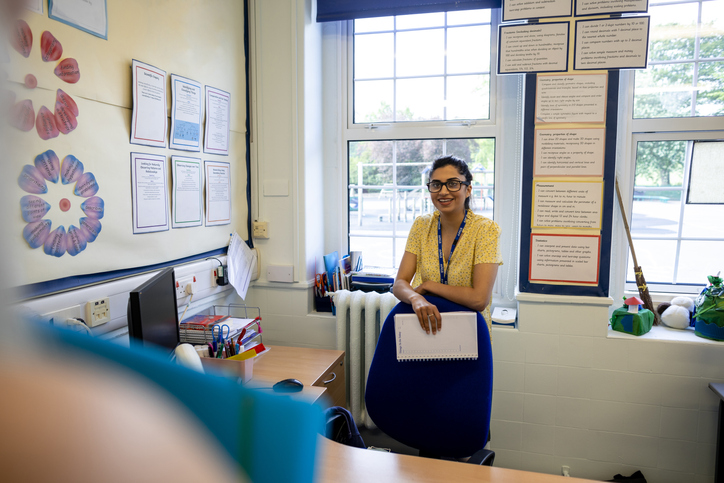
(323,304)
(230,368)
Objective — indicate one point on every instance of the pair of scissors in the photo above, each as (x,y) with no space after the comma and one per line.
(219,340)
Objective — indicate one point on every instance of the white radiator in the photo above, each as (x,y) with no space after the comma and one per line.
(360,316)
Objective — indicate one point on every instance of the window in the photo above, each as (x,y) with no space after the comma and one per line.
(678,148)
(421,88)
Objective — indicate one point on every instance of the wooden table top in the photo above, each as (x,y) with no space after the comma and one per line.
(337,462)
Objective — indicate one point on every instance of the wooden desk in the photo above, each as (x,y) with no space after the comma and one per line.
(337,462)
(320,370)
(719,459)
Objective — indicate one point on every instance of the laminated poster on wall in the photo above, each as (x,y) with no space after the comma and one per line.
(87,15)
(218,192)
(186,203)
(186,110)
(150,117)
(149,193)
(218,118)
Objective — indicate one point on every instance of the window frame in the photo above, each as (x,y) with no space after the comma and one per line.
(506,179)
(700,128)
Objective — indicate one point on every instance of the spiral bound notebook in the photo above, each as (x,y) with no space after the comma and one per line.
(457,339)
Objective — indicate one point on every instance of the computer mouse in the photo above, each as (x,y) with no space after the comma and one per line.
(288,385)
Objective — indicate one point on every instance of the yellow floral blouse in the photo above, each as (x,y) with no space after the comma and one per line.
(479,243)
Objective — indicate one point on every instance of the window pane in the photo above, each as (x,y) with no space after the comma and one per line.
(710,92)
(468,50)
(656,258)
(373,101)
(420,53)
(376,252)
(468,96)
(673,31)
(660,163)
(653,215)
(420,99)
(466,17)
(699,259)
(704,221)
(370,162)
(374,24)
(664,91)
(422,20)
(712,30)
(374,56)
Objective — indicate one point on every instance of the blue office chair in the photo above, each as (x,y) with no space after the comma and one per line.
(442,407)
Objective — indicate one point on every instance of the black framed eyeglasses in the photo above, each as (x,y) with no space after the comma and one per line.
(453,184)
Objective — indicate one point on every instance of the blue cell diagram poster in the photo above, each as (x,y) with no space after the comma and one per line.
(186,110)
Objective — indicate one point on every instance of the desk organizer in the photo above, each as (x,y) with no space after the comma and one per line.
(240,311)
(243,370)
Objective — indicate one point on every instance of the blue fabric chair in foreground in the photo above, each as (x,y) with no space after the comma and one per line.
(272,438)
(440,407)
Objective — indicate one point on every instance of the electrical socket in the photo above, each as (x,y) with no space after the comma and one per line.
(97,312)
(66,313)
(260,229)
(185,286)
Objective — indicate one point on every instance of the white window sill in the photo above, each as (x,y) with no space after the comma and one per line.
(667,334)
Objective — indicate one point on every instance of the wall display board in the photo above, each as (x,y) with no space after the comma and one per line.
(571,98)
(533,48)
(567,212)
(117,240)
(530,9)
(615,43)
(569,152)
(610,7)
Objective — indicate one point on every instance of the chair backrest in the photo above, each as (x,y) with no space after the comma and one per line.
(440,407)
(272,438)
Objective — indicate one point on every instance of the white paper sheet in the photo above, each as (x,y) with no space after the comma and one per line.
(218,192)
(187,200)
(615,43)
(564,258)
(241,261)
(571,98)
(149,192)
(533,48)
(569,152)
(149,121)
(567,204)
(527,9)
(186,99)
(607,7)
(88,15)
(218,117)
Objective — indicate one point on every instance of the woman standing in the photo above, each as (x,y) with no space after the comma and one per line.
(451,253)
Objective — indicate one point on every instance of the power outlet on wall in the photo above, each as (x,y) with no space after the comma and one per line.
(260,229)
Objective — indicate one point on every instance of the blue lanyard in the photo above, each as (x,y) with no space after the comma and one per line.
(443,272)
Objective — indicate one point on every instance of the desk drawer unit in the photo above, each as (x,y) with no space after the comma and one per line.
(334,380)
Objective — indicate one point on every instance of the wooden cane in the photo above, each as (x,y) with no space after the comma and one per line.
(638,272)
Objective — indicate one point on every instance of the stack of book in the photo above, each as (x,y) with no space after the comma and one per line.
(372,281)
(199,329)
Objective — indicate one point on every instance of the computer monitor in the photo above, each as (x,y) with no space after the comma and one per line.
(153,312)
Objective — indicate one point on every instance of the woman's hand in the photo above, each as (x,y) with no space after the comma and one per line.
(427,314)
